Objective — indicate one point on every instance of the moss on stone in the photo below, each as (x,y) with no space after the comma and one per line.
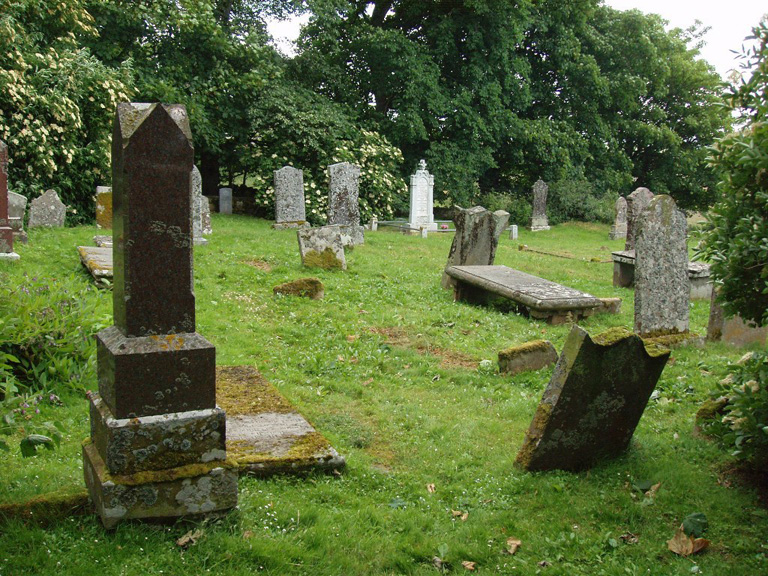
(305,287)
(305,449)
(532,437)
(711,409)
(614,335)
(326,259)
(243,390)
(526,348)
(665,341)
(47,508)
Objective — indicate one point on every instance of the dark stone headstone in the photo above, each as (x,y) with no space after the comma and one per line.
(6,232)
(476,239)
(593,402)
(636,203)
(343,207)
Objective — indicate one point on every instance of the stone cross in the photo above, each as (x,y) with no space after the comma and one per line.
(47,211)
(422,198)
(619,228)
(343,207)
(290,209)
(539,215)
(636,203)
(662,286)
(6,232)
(155,412)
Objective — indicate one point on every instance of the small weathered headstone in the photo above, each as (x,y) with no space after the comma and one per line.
(205,216)
(598,391)
(290,208)
(662,287)
(374,225)
(104,206)
(422,198)
(539,214)
(225,200)
(619,228)
(530,356)
(343,207)
(476,239)
(17,209)
(47,211)
(6,232)
(636,203)
(157,447)
(198,202)
(733,329)
(322,247)
(311,288)
(513,232)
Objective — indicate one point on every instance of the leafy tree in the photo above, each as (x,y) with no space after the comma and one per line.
(56,101)
(736,239)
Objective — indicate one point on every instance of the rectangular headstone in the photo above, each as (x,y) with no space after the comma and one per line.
(539,214)
(733,329)
(636,203)
(290,208)
(225,200)
(619,228)
(421,188)
(343,207)
(322,247)
(104,206)
(17,208)
(6,232)
(513,232)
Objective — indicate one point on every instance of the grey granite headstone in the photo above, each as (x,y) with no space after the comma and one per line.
(636,203)
(662,287)
(598,391)
(47,211)
(17,208)
(198,201)
(422,198)
(205,216)
(6,232)
(157,445)
(322,247)
(290,208)
(343,206)
(225,200)
(539,215)
(476,239)
(619,228)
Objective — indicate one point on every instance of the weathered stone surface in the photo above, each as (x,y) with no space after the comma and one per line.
(322,247)
(476,239)
(422,199)
(609,306)
(543,299)
(698,274)
(225,200)
(352,235)
(47,211)
(343,207)
(311,288)
(151,160)
(157,442)
(104,206)
(636,203)
(513,232)
(98,261)
(593,402)
(619,228)
(104,241)
(205,216)
(662,288)
(265,433)
(198,203)
(6,232)
(289,196)
(526,357)
(17,208)
(733,329)
(194,490)
(539,215)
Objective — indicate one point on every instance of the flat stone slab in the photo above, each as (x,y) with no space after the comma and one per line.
(103,240)
(266,435)
(624,274)
(695,269)
(543,299)
(98,261)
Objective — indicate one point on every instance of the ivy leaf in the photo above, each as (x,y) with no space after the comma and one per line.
(685,545)
(695,524)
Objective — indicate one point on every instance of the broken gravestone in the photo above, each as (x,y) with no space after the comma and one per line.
(322,247)
(6,232)
(662,286)
(311,288)
(539,215)
(47,211)
(530,356)
(290,208)
(636,203)
(598,391)
(157,445)
(476,239)
(619,228)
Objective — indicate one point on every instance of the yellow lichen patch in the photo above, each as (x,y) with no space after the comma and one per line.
(661,343)
(47,508)
(305,449)
(326,259)
(243,390)
(168,341)
(527,347)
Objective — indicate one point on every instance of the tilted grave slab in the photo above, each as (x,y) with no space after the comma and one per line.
(98,261)
(598,391)
(542,298)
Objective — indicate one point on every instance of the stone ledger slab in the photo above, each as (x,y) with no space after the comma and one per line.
(698,274)
(589,411)
(98,261)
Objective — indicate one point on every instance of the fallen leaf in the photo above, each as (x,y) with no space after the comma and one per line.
(464,516)
(469,565)
(189,538)
(652,492)
(695,524)
(512,545)
(369,381)
(437,562)
(456,513)
(352,337)
(431,488)
(543,563)
(340,358)
(684,545)
(247,534)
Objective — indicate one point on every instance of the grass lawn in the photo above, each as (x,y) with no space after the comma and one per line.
(386,366)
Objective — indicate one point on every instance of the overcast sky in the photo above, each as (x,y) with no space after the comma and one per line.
(730,21)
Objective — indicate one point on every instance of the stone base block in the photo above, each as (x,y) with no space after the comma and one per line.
(153,375)
(291,225)
(609,306)
(199,241)
(135,445)
(539,224)
(9,256)
(195,490)
(527,357)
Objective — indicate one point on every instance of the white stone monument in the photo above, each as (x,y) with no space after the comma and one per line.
(422,190)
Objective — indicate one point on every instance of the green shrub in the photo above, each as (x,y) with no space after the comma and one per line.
(578,199)
(46,334)
(519,209)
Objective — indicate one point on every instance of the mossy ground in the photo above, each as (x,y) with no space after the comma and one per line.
(365,366)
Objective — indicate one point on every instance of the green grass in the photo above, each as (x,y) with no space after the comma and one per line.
(386,367)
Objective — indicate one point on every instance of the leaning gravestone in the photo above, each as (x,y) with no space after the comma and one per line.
(17,209)
(104,206)
(47,211)
(290,209)
(322,247)
(6,232)
(476,239)
(198,201)
(636,203)
(619,228)
(598,391)
(539,216)
(225,200)
(422,198)
(662,287)
(157,446)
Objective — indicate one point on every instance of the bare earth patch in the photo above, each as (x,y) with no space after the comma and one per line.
(260,265)
(448,358)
